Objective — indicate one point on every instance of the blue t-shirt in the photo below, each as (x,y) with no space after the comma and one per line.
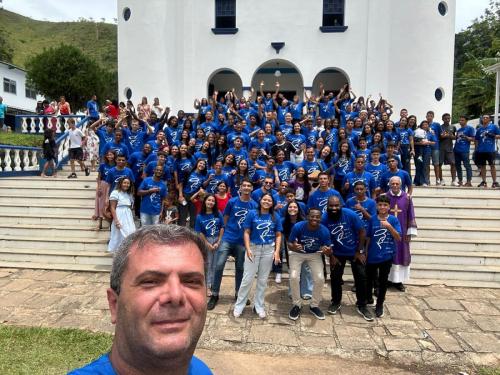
(136,163)
(405,135)
(296,110)
(462,144)
(263,228)
(115,174)
(118,148)
(3,110)
(312,240)
(93,109)
(104,169)
(209,224)
(236,210)
(216,179)
(435,129)
(312,166)
(344,232)
(183,167)
(366,177)
(319,199)
(257,195)
(343,166)
(285,170)
(167,170)
(104,138)
(193,183)
(102,366)
(151,203)
(368,204)
(382,245)
(377,171)
(485,135)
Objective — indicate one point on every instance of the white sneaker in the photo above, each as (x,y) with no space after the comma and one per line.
(278,278)
(454,183)
(261,314)
(438,182)
(237,314)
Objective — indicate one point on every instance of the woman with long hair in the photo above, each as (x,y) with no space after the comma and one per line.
(301,185)
(121,201)
(343,163)
(222,195)
(240,174)
(209,224)
(189,186)
(101,192)
(262,239)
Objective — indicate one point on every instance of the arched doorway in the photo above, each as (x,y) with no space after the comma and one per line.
(333,80)
(282,71)
(224,80)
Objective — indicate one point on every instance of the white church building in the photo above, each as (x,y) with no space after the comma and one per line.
(179,50)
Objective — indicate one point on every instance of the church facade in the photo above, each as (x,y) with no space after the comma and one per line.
(179,50)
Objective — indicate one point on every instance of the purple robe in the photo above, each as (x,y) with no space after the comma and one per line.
(402,208)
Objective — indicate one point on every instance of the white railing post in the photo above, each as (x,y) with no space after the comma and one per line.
(24,125)
(17,160)
(34,159)
(26,159)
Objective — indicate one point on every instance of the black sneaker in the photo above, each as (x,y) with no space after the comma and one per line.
(87,171)
(317,313)
(483,184)
(495,185)
(365,313)
(379,311)
(72,175)
(370,302)
(212,302)
(353,289)
(400,287)
(294,313)
(333,308)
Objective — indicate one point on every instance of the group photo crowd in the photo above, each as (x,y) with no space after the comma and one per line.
(304,185)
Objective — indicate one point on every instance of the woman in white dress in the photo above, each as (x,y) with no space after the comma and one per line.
(120,202)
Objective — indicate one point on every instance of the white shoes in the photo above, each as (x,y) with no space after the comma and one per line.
(278,278)
(454,183)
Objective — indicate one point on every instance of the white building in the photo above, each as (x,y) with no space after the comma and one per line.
(179,50)
(16,94)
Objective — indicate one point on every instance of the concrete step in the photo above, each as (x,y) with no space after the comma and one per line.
(444,257)
(457,245)
(42,230)
(35,191)
(60,182)
(71,267)
(55,243)
(50,220)
(465,200)
(44,209)
(455,272)
(430,209)
(453,192)
(56,257)
(68,199)
(437,221)
(447,232)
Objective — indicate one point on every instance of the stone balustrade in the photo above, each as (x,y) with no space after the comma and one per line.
(28,124)
(19,158)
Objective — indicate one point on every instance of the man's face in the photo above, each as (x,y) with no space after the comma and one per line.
(120,161)
(208,116)
(161,309)
(393,164)
(395,186)
(360,164)
(314,218)
(158,171)
(360,190)
(486,120)
(334,204)
(118,137)
(268,183)
(446,119)
(323,181)
(246,188)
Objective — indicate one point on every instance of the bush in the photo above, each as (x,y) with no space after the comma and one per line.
(16,139)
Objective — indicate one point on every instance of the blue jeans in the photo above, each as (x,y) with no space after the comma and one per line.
(148,219)
(406,158)
(209,277)
(422,160)
(463,157)
(306,281)
(225,249)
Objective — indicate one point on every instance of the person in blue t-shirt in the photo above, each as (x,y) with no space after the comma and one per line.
(435,129)
(262,238)
(486,136)
(188,187)
(235,215)
(406,186)
(157,303)
(461,149)
(152,192)
(319,198)
(118,146)
(118,171)
(347,234)
(267,188)
(93,109)
(376,168)
(364,207)
(384,231)
(359,174)
(307,243)
(209,224)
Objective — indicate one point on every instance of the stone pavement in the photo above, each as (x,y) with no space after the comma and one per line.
(437,326)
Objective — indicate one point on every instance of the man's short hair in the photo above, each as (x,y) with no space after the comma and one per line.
(375,150)
(360,182)
(159,234)
(395,178)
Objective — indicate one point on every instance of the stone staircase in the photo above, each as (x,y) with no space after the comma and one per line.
(46,223)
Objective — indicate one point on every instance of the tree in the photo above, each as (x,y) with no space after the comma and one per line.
(476,48)
(65,70)
(6,52)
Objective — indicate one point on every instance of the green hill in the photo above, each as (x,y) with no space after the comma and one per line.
(29,37)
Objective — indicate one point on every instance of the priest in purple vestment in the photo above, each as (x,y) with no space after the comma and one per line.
(402,208)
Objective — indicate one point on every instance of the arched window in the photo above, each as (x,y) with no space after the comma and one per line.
(333,16)
(225,17)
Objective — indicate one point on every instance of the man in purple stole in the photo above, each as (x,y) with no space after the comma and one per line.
(402,208)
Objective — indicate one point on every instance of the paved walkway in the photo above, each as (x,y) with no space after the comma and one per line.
(453,328)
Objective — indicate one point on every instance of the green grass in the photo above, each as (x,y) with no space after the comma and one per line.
(489,371)
(16,139)
(47,351)
(29,37)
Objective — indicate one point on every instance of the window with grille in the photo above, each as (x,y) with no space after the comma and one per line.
(225,14)
(333,12)
(9,86)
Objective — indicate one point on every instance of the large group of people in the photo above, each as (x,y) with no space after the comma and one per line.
(317,182)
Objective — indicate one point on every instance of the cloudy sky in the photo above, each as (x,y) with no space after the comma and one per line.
(69,10)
